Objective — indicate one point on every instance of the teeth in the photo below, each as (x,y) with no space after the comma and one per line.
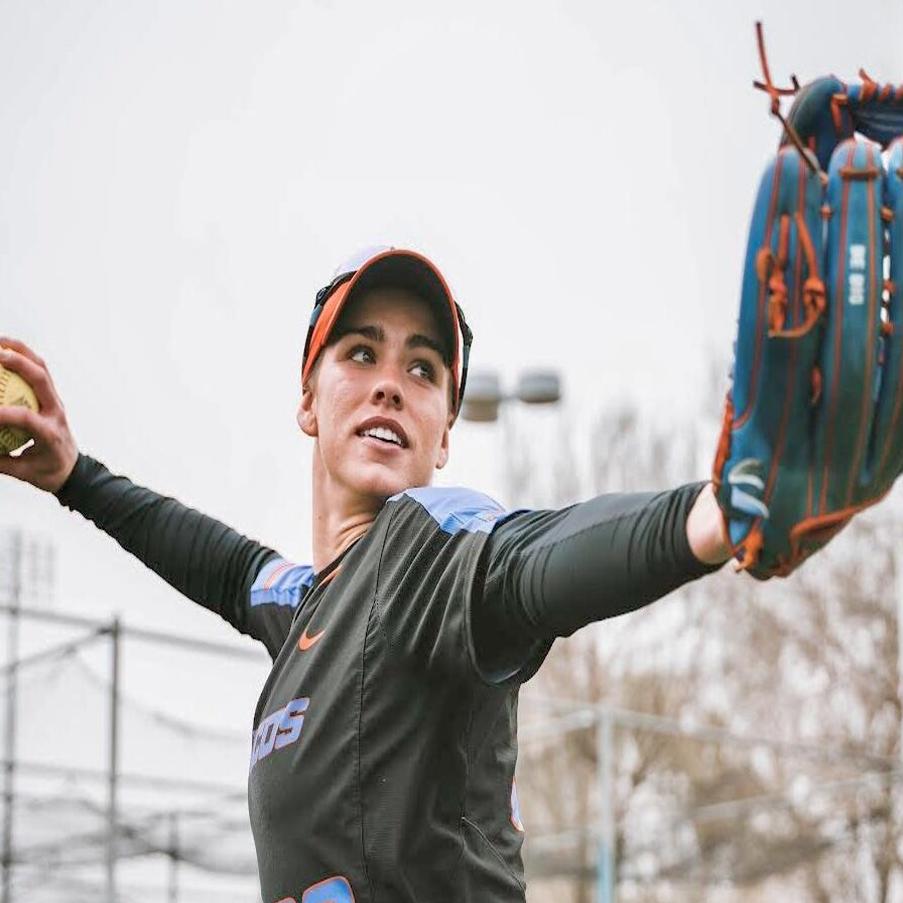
(381,432)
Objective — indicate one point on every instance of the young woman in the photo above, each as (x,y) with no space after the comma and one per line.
(384,742)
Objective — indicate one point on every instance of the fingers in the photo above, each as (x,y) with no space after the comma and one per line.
(849,365)
(25,351)
(30,422)
(34,374)
(48,461)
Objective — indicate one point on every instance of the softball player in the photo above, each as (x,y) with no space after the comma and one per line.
(384,741)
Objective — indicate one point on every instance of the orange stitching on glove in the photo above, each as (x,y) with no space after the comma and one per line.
(751,548)
(724,443)
(775,93)
(859,174)
(761,304)
(823,527)
(814,302)
(815,379)
(768,86)
(872,91)
(869,86)
(837,101)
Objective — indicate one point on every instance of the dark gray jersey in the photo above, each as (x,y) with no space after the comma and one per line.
(383,747)
(381,754)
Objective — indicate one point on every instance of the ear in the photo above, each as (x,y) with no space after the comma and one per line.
(307,413)
(442,458)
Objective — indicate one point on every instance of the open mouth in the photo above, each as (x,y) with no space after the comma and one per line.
(383,434)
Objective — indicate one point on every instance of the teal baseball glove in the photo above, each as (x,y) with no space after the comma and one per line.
(813,423)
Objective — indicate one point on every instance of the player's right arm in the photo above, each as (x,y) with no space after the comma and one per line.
(198,555)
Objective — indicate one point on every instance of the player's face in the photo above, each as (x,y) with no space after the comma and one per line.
(378,401)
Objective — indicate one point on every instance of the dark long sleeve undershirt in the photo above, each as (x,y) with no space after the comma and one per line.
(552,572)
(201,557)
(547,573)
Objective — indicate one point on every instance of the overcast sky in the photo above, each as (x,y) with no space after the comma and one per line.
(177,180)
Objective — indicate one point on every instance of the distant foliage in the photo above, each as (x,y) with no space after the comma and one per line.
(809,665)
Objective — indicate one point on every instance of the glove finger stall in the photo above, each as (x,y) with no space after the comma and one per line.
(888,444)
(852,335)
(769,405)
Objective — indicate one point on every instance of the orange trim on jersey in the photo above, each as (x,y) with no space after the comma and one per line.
(286,565)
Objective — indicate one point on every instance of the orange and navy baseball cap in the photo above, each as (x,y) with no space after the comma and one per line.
(399,268)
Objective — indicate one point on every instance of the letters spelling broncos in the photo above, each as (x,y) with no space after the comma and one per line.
(813,423)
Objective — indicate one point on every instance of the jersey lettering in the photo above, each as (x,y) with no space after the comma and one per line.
(278,730)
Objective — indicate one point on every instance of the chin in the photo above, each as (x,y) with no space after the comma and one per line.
(382,483)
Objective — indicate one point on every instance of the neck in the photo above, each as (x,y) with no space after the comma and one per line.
(339,517)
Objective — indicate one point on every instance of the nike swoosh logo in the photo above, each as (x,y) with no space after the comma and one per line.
(305,642)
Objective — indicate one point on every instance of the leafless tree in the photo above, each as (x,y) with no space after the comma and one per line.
(808,664)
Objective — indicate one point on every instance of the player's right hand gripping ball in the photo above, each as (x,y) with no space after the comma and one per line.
(14,391)
(813,424)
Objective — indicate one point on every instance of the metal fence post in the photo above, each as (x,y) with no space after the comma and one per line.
(605,891)
(112,813)
(174,857)
(9,746)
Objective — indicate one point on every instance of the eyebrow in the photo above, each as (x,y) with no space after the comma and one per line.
(377,334)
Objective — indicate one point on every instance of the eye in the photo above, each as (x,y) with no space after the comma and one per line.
(424,369)
(361,354)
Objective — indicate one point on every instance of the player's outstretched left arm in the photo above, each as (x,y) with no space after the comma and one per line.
(549,573)
(466,589)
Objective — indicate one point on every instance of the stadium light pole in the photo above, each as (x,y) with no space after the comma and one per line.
(484,401)
(484,395)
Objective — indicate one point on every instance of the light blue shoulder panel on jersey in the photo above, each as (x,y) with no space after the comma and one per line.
(281,582)
(455,509)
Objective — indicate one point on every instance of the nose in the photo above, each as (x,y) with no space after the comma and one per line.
(387,391)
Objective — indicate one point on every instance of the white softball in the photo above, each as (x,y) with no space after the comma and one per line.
(14,391)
